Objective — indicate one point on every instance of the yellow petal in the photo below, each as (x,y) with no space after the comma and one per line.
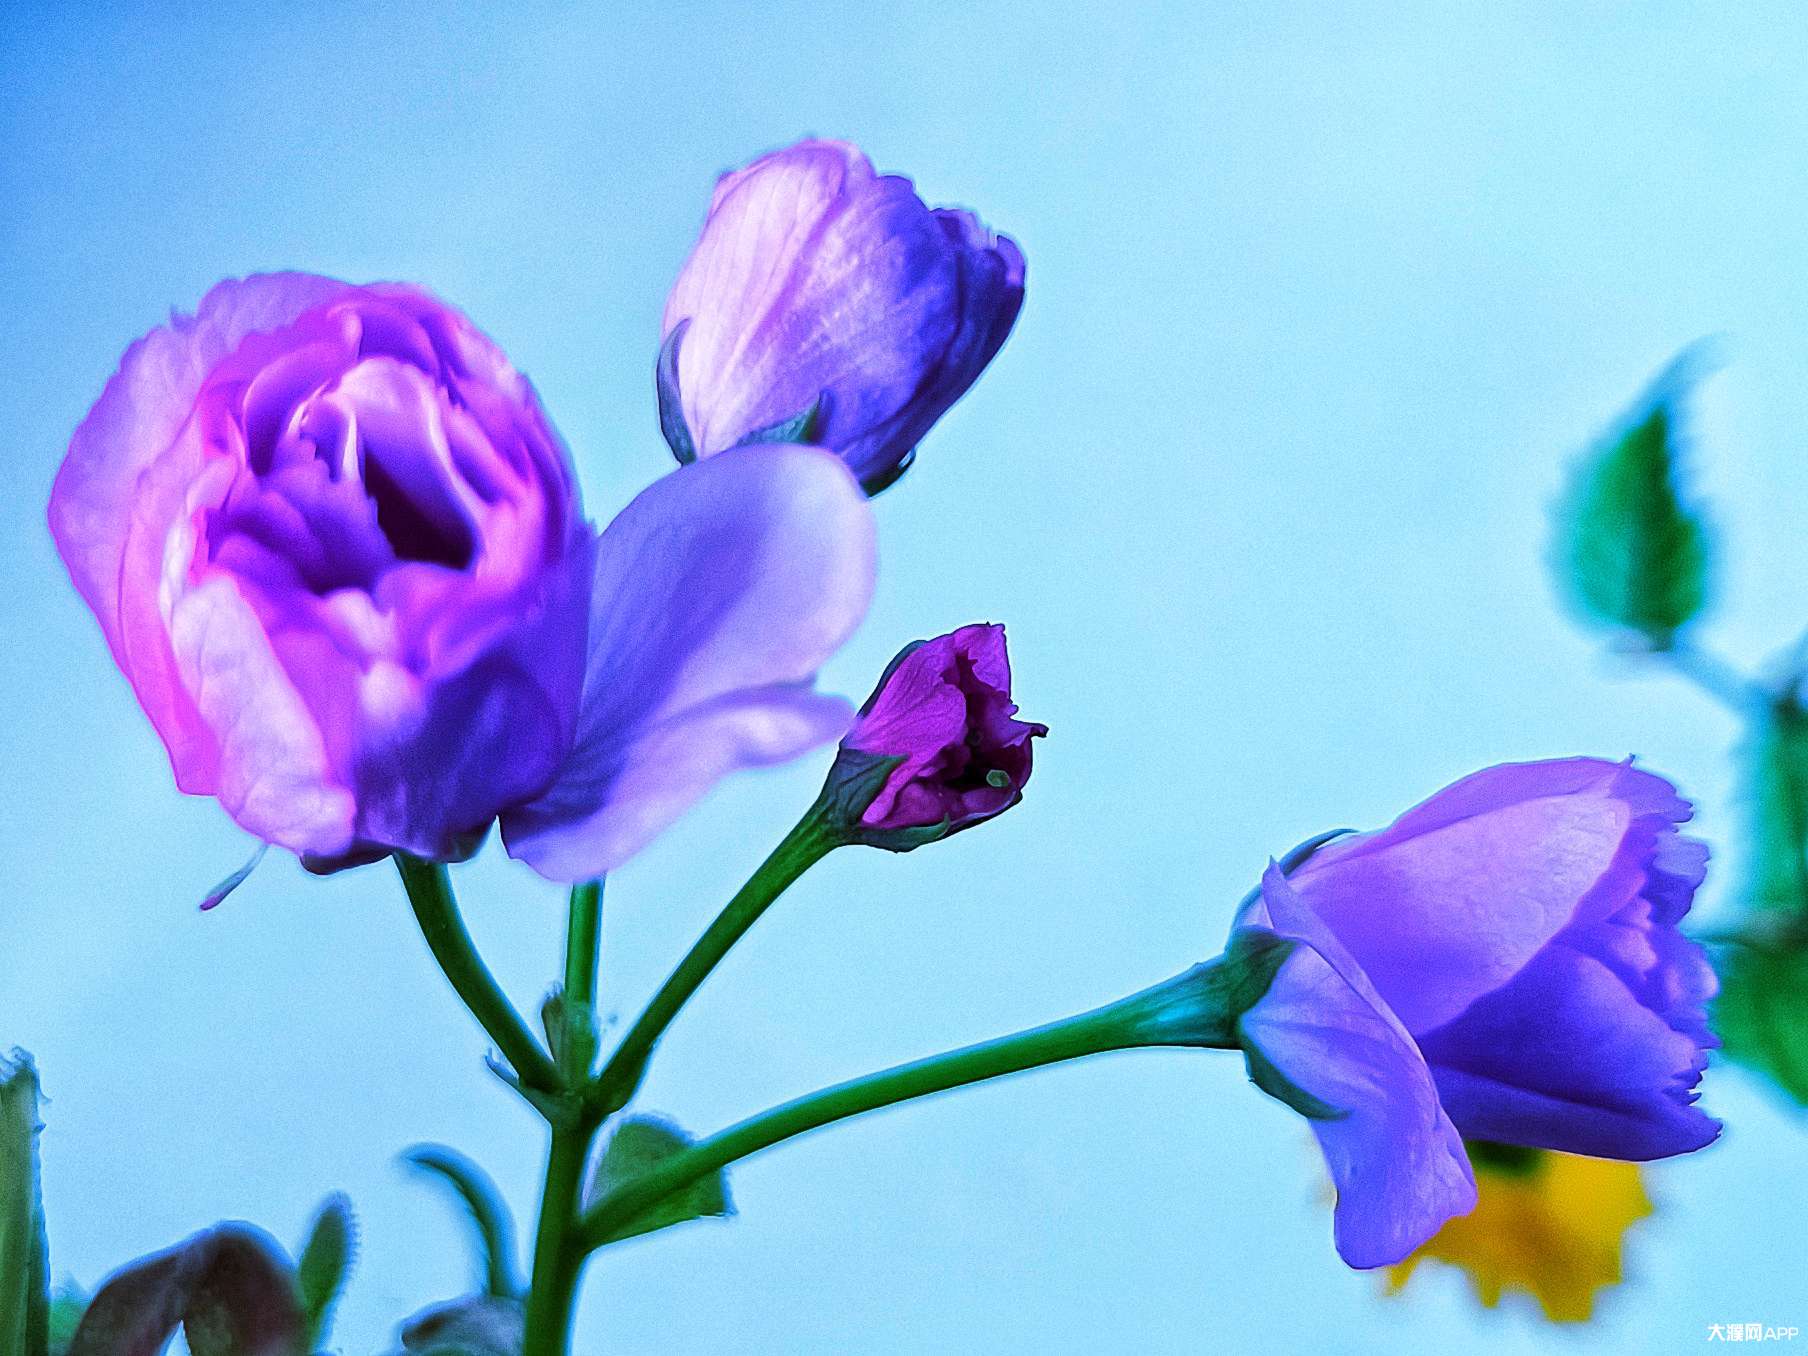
(1551,1225)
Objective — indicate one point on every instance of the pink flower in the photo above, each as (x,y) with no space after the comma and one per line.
(337,548)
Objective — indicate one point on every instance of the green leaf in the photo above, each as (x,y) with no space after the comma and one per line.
(490,1218)
(229,1289)
(326,1259)
(24,1256)
(1761,1013)
(1776,760)
(640,1143)
(1629,551)
(66,1311)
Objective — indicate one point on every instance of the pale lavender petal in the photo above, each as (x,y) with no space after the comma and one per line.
(817,283)
(1458,895)
(718,594)
(1396,1159)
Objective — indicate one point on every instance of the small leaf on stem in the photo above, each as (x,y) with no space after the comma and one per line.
(640,1143)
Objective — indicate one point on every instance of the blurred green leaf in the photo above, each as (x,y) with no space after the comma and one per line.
(1761,1013)
(229,1289)
(1776,760)
(66,1310)
(326,1259)
(1629,552)
(490,1219)
(640,1142)
(24,1256)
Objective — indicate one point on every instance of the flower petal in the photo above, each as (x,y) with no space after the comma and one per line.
(719,592)
(1396,1159)
(1570,1057)
(1460,893)
(139,414)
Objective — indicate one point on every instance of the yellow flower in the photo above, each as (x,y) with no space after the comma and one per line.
(1547,1223)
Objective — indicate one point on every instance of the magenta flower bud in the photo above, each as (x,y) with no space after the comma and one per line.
(1503,963)
(824,303)
(935,749)
(336,547)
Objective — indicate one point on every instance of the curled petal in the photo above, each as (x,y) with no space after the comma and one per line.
(1460,893)
(1395,1158)
(719,592)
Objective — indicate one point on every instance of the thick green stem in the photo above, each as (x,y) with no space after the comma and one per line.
(558,1256)
(804,846)
(1182,1011)
(429,887)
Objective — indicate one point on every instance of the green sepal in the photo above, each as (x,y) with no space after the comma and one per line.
(1629,551)
(855,779)
(887,476)
(1295,858)
(572,1034)
(325,1261)
(638,1144)
(801,427)
(1266,1076)
(24,1254)
(1201,1007)
(492,1226)
(671,406)
(1761,1011)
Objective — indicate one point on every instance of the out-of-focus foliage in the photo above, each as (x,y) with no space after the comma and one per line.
(229,1289)
(1762,1011)
(1551,1225)
(492,1226)
(1776,768)
(24,1257)
(478,1325)
(1630,553)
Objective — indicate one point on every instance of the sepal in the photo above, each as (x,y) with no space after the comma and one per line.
(671,407)
(799,428)
(855,779)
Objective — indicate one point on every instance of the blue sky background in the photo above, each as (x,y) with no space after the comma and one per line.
(1322,300)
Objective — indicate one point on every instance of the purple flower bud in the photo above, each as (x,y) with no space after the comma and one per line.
(827,304)
(1502,963)
(935,749)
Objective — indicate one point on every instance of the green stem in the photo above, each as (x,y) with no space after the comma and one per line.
(429,887)
(1178,1012)
(583,941)
(558,1258)
(802,848)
